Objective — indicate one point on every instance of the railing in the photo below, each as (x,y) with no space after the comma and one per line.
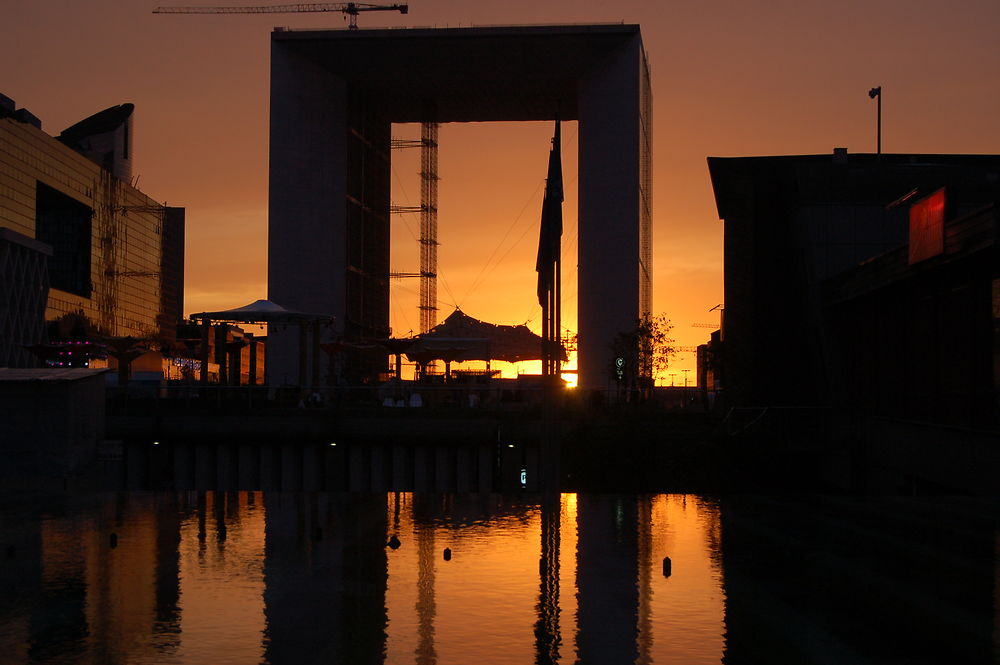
(196,397)
(389,398)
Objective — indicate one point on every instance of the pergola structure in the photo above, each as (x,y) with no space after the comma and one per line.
(265,312)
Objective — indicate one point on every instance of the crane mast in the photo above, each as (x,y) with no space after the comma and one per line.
(428,208)
(351,9)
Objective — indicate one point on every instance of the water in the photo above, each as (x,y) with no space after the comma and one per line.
(310,577)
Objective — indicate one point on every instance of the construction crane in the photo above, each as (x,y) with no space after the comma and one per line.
(350,9)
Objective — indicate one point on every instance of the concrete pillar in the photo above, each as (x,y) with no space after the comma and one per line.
(183,461)
(357,480)
(609,208)
(423,469)
(315,352)
(291,468)
(303,352)
(206,327)
(465,469)
(222,352)
(249,467)
(307,198)
(487,456)
(378,468)
(401,478)
(443,469)
(252,360)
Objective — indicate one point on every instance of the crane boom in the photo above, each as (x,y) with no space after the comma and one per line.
(351,9)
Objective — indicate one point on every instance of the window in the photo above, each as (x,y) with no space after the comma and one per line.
(64,223)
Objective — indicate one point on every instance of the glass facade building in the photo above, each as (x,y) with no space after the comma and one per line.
(117,255)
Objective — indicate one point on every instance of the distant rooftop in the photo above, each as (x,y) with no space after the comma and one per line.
(103,121)
(855,178)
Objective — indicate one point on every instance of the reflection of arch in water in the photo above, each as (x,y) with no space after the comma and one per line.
(325,575)
(607,579)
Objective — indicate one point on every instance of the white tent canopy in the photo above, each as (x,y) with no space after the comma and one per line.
(261,311)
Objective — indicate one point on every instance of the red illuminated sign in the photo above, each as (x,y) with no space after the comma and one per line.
(927,227)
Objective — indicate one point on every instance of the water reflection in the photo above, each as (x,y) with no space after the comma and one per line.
(826,579)
(221,546)
(244,577)
(293,577)
(548,637)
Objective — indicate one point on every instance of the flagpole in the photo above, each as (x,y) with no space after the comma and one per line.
(545,335)
(557,335)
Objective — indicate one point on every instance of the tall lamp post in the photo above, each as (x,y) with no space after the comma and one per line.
(685,377)
(873,94)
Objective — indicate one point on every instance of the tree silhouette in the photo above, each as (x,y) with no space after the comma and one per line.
(642,353)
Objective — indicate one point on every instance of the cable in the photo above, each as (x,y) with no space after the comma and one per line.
(406,199)
(447,288)
(417,293)
(481,277)
(477,281)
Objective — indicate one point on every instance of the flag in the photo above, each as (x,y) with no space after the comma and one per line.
(550,231)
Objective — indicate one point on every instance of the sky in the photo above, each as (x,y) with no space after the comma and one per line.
(730,78)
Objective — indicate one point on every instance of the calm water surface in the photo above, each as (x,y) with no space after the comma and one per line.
(253,577)
(298,577)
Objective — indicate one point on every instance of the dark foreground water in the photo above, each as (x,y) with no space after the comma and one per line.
(353,578)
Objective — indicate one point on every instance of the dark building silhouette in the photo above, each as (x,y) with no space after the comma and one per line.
(806,323)
(920,340)
(866,289)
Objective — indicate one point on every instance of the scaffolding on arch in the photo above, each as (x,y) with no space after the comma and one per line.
(428,209)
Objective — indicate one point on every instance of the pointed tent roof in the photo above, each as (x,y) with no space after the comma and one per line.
(478,340)
(261,311)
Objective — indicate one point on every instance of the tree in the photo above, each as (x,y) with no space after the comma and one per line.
(642,353)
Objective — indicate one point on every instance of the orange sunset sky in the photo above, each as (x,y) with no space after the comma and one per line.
(730,78)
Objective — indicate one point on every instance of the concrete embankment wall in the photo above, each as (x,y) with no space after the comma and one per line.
(318,450)
(304,425)
(312,466)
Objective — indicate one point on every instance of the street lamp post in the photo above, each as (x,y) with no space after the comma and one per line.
(873,94)
(685,377)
